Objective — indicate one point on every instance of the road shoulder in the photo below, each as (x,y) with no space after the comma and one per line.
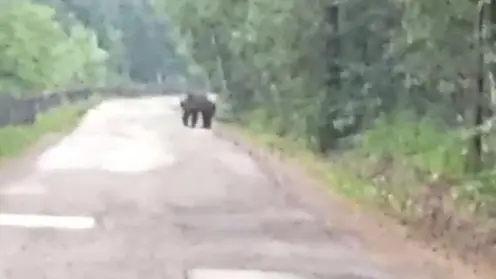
(387,243)
(12,168)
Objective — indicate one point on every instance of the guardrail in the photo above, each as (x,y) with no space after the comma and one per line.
(23,111)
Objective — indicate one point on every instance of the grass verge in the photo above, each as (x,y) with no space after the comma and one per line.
(411,170)
(14,140)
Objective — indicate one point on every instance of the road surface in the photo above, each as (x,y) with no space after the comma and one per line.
(131,193)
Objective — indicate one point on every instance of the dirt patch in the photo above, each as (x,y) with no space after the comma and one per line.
(389,244)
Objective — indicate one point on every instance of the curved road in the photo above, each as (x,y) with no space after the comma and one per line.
(131,193)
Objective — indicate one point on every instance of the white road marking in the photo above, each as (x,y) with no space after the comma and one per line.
(47,221)
(238,274)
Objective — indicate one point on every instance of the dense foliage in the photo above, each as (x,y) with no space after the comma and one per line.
(37,53)
(133,34)
(325,70)
(49,44)
(407,80)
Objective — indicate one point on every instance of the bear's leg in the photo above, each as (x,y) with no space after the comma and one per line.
(194,115)
(185,117)
(207,119)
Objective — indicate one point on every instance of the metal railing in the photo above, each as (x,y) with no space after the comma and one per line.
(24,111)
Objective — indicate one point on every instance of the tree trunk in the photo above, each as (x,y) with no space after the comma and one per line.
(474,113)
(326,129)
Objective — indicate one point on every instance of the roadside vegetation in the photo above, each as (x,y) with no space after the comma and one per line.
(16,139)
(51,46)
(392,99)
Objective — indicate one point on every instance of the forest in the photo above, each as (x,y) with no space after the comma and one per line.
(397,96)
(52,44)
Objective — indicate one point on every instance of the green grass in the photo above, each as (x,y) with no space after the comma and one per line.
(411,169)
(16,139)
(422,143)
(393,164)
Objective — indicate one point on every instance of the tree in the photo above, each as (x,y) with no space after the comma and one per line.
(135,37)
(37,54)
(324,71)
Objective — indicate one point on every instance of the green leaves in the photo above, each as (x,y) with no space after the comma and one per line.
(306,61)
(37,53)
(257,47)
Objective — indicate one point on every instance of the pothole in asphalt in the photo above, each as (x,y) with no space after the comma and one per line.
(287,224)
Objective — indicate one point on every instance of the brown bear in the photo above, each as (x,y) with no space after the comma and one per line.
(192,105)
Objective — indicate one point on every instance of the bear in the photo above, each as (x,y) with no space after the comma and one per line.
(194,104)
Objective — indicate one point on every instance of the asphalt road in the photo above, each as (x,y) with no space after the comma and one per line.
(131,193)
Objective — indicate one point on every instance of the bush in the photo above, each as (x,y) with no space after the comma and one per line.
(424,143)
